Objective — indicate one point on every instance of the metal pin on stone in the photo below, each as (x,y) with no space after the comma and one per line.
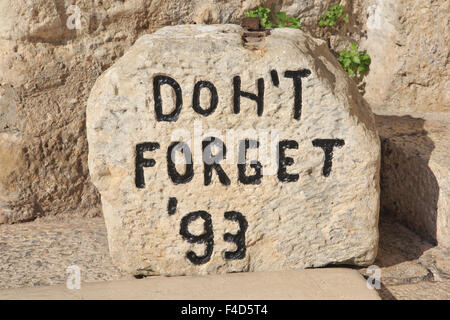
(254,34)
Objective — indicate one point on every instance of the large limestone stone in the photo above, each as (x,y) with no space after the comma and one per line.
(321,209)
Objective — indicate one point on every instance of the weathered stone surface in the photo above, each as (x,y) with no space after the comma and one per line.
(38,253)
(312,284)
(30,20)
(408,42)
(12,165)
(418,291)
(314,221)
(309,11)
(415,174)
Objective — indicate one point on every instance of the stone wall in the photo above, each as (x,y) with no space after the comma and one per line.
(408,41)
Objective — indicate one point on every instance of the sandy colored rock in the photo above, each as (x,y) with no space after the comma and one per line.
(30,20)
(314,221)
(408,42)
(415,174)
(3,218)
(419,291)
(14,190)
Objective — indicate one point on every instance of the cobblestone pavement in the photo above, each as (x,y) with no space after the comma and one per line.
(39,253)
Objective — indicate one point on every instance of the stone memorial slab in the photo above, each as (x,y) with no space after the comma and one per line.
(212,158)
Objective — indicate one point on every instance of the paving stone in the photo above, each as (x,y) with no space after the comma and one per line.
(333,283)
(39,253)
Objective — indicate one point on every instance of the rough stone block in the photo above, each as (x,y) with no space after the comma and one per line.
(175,202)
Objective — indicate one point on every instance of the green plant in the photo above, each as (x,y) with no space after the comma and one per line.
(266,19)
(285,21)
(333,14)
(353,61)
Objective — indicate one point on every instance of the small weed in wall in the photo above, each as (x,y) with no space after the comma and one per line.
(334,15)
(284,21)
(354,62)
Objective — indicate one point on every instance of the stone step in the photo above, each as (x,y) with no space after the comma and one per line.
(327,283)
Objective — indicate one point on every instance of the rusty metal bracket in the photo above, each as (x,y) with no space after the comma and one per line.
(254,34)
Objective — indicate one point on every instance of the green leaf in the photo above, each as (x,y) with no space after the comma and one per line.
(282,16)
(356,60)
(362,68)
(353,46)
(365,57)
(266,19)
(330,17)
